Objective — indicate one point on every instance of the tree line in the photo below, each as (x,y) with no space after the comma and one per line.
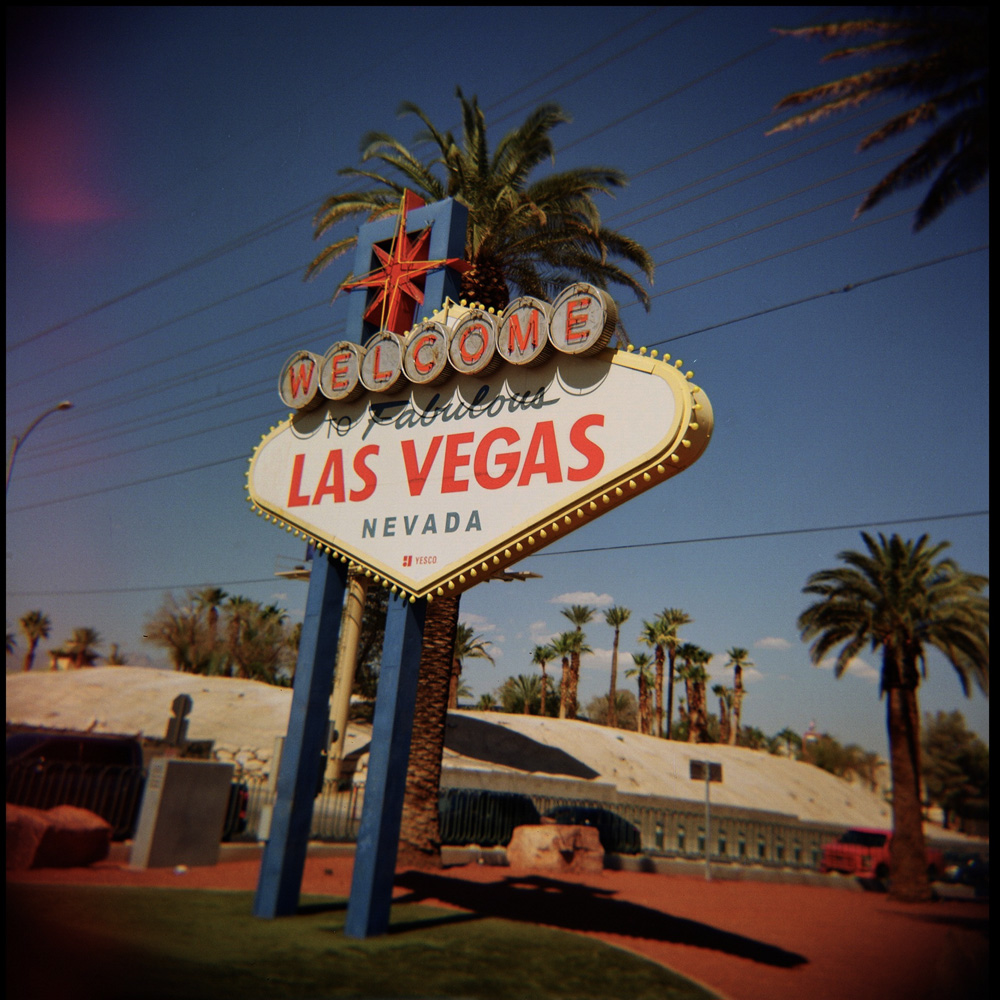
(656,672)
(211,632)
(81,649)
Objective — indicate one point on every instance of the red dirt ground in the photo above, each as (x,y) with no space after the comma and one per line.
(745,940)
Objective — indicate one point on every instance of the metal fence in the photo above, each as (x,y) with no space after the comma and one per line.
(113,791)
(488,818)
(468,816)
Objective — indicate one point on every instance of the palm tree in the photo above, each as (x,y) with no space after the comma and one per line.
(615,617)
(739,660)
(535,236)
(419,835)
(540,656)
(897,598)
(36,626)
(940,57)
(654,634)
(468,646)
(183,632)
(521,692)
(643,673)
(562,646)
(82,646)
(240,610)
(726,700)
(672,619)
(692,672)
(579,615)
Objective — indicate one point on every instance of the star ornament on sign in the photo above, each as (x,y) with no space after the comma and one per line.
(398,281)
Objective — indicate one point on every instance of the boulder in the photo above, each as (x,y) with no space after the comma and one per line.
(63,837)
(25,829)
(556,847)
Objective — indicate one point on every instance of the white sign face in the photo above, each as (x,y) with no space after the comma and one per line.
(435,488)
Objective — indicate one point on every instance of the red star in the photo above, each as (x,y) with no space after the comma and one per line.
(405,264)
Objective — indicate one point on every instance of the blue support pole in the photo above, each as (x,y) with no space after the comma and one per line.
(378,837)
(280,879)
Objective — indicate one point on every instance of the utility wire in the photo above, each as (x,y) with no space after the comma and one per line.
(768,534)
(785,532)
(845,288)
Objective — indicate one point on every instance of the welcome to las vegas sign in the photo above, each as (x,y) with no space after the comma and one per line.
(437,459)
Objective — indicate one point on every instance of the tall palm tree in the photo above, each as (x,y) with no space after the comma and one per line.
(540,657)
(82,646)
(642,671)
(940,57)
(725,696)
(535,235)
(672,619)
(654,634)
(562,647)
(36,626)
(898,597)
(692,671)
(578,615)
(615,617)
(739,660)
(419,834)
(468,646)
(532,235)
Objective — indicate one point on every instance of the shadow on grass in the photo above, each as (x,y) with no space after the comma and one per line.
(575,907)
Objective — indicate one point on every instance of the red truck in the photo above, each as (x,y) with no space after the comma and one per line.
(865,853)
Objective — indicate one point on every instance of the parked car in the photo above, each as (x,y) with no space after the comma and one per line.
(618,835)
(865,853)
(485,818)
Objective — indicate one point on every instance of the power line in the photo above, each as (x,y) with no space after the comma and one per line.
(539,555)
(820,295)
(768,534)
(810,298)
(237,243)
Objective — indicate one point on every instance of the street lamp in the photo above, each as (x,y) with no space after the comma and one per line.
(20,439)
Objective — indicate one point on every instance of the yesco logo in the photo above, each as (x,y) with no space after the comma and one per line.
(456,342)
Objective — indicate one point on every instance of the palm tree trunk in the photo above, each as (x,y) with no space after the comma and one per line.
(734,731)
(573,686)
(612,700)
(564,688)
(29,656)
(419,836)
(659,690)
(907,853)
(671,659)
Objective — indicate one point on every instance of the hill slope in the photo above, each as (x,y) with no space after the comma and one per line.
(244,717)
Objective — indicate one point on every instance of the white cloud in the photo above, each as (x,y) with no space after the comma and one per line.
(584,597)
(599,659)
(856,668)
(772,642)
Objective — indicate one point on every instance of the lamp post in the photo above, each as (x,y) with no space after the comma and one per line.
(20,439)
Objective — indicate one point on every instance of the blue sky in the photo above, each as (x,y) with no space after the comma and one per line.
(163,168)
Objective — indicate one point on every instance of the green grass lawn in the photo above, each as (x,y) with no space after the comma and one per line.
(83,942)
